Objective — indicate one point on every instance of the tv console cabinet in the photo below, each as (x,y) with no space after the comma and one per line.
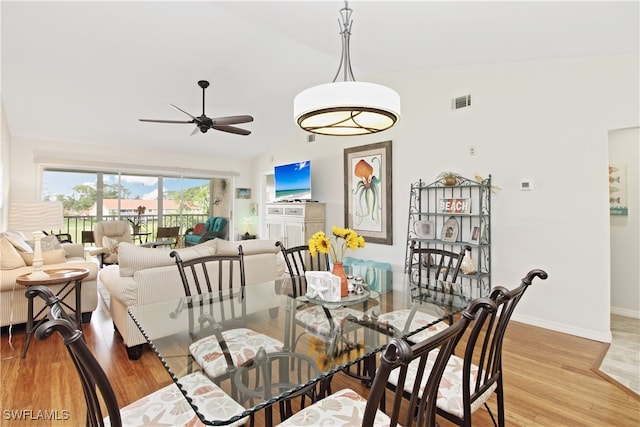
(293,223)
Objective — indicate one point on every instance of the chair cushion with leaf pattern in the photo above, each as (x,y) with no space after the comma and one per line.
(345,407)
(450,391)
(243,345)
(315,319)
(398,319)
(169,407)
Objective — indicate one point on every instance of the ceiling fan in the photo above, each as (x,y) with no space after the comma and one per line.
(204,123)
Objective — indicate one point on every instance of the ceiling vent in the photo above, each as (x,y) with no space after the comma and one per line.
(461,102)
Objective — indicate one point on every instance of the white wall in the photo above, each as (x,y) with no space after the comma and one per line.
(545,121)
(5,151)
(624,147)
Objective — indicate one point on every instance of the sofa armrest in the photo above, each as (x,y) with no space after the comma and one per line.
(155,284)
(99,251)
(189,231)
(73,250)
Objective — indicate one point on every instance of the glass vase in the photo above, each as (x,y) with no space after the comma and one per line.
(338,270)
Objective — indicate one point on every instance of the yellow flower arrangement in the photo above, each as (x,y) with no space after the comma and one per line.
(321,243)
(343,351)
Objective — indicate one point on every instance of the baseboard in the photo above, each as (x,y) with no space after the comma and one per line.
(626,312)
(566,329)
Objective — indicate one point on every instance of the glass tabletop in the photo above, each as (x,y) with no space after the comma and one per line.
(360,328)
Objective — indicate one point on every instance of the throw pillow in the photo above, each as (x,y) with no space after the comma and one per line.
(17,241)
(47,243)
(198,229)
(110,244)
(9,256)
(48,257)
(50,243)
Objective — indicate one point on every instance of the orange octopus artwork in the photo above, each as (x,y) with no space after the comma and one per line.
(367,197)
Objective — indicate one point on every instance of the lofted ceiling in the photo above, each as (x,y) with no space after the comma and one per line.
(86,71)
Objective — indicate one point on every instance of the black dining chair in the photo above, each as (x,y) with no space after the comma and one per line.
(427,267)
(272,374)
(215,286)
(429,358)
(299,259)
(435,268)
(167,406)
(469,380)
(314,319)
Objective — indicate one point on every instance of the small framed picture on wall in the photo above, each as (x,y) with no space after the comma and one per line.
(243,193)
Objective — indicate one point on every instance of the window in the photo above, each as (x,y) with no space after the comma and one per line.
(88,197)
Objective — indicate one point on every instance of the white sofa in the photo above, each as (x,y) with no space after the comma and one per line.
(13,304)
(147,275)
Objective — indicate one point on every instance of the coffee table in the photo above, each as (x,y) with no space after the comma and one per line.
(71,278)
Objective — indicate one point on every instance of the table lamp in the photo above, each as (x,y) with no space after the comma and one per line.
(33,216)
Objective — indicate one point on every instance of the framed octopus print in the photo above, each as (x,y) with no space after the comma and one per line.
(367,192)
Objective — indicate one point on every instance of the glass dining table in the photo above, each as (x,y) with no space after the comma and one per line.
(308,358)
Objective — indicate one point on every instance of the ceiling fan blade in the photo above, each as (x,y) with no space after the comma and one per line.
(166,121)
(180,109)
(231,129)
(232,120)
(195,130)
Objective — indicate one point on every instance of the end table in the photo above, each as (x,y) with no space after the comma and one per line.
(71,278)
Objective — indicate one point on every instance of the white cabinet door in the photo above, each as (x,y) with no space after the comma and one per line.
(294,235)
(275,230)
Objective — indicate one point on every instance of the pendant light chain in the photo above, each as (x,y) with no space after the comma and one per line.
(345,31)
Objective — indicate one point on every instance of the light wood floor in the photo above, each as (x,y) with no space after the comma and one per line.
(621,363)
(548,380)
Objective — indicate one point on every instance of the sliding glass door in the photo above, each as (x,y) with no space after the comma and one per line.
(146,201)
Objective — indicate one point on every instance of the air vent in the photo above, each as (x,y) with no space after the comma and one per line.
(461,102)
(311,138)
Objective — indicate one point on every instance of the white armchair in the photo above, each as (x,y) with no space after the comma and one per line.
(108,235)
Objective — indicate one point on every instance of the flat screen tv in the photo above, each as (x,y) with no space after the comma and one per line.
(293,181)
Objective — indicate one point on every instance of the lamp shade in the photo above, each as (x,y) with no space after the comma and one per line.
(347,108)
(31,215)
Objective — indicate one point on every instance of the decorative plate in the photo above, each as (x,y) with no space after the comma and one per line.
(450,230)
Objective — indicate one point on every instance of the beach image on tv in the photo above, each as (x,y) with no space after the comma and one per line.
(293,181)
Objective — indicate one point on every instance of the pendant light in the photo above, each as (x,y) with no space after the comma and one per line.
(348,107)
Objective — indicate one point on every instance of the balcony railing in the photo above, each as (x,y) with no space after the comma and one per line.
(76,224)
